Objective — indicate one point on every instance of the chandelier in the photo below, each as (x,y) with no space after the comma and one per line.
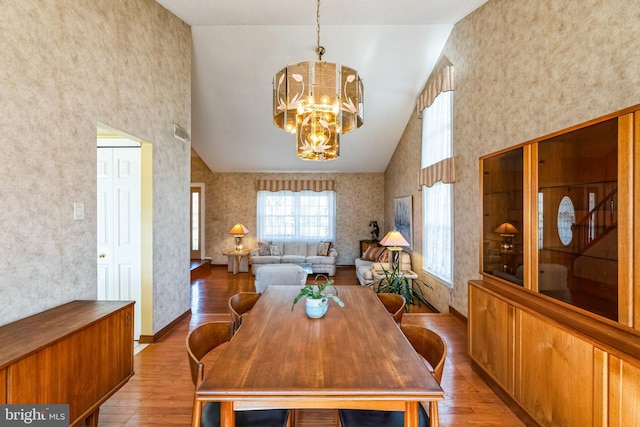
(317,101)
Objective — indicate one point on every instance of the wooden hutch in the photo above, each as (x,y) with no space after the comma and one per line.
(555,321)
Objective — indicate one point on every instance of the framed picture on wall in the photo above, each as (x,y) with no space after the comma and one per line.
(402,213)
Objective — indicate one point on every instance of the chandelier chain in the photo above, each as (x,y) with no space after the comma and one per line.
(319,49)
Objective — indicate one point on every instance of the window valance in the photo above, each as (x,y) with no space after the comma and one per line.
(444,171)
(296,185)
(441,80)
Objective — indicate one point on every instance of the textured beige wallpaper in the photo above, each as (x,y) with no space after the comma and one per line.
(523,69)
(232,197)
(67,65)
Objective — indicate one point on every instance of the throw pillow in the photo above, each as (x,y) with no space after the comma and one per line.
(324,248)
(275,250)
(384,256)
(372,253)
(265,248)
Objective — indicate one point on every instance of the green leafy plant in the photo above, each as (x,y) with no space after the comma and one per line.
(316,290)
(395,282)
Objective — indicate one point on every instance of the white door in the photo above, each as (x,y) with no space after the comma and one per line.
(118,234)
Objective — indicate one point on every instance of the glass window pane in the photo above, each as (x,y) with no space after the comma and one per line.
(195,221)
(437,212)
(304,215)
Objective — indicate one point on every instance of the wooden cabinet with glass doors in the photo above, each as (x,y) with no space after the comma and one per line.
(555,320)
(565,244)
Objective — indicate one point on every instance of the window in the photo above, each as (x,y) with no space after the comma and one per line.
(300,216)
(437,211)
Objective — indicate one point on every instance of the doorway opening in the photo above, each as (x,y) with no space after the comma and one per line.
(123,223)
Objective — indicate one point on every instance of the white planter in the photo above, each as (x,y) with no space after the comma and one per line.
(316,308)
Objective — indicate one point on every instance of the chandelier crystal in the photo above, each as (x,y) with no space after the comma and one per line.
(318,101)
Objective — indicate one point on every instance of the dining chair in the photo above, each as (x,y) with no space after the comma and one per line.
(433,350)
(239,304)
(394,304)
(201,341)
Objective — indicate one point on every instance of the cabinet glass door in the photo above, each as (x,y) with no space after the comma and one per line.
(502,216)
(578,217)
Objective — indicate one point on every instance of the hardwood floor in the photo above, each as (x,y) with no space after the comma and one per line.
(161,392)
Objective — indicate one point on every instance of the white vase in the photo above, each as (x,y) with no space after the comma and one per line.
(316,308)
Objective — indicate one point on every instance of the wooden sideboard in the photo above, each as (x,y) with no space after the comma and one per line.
(78,353)
(563,368)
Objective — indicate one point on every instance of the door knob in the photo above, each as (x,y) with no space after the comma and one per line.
(101,256)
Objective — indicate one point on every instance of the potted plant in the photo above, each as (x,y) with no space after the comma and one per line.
(395,282)
(317,300)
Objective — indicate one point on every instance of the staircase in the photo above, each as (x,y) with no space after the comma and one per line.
(596,224)
(595,247)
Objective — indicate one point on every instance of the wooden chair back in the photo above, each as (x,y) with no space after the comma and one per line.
(201,341)
(432,348)
(429,345)
(239,304)
(394,304)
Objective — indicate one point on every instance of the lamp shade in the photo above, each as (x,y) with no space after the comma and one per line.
(506,229)
(238,230)
(394,241)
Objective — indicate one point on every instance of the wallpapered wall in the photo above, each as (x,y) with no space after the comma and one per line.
(67,65)
(523,70)
(231,198)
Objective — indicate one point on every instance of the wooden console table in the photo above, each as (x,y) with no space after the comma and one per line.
(78,353)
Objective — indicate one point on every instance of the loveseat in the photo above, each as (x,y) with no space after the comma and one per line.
(321,255)
(377,258)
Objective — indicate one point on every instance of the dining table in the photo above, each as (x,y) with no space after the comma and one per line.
(355,357)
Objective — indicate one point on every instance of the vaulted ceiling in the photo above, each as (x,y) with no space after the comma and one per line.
(239,45)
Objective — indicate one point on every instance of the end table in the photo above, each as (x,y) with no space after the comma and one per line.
(238,260)
(409,274)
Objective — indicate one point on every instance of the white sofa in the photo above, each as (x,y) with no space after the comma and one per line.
(279,275)
(294,253)
(366,266)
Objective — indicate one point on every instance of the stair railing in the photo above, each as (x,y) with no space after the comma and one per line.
(597,223)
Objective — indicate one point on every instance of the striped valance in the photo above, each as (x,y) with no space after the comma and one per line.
(444,171)
(441,80)
(296,185)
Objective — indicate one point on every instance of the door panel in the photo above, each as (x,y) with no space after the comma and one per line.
(119,227)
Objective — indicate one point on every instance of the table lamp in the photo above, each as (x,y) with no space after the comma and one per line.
(507,231)
(394,243)
(238,231)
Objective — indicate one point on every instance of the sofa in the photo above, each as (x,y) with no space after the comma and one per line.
(279,275)
(377,258)
(321,255)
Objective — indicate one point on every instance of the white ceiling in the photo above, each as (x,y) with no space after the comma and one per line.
(238,45)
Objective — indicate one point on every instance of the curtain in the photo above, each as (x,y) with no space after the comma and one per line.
(437,194)
(296,185)
(437,147)
(441,80)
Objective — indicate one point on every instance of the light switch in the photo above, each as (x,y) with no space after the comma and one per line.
(78,211)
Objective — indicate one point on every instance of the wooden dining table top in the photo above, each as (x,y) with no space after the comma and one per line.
(353,354)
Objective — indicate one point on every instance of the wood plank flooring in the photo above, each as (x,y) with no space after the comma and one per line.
(161,392)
